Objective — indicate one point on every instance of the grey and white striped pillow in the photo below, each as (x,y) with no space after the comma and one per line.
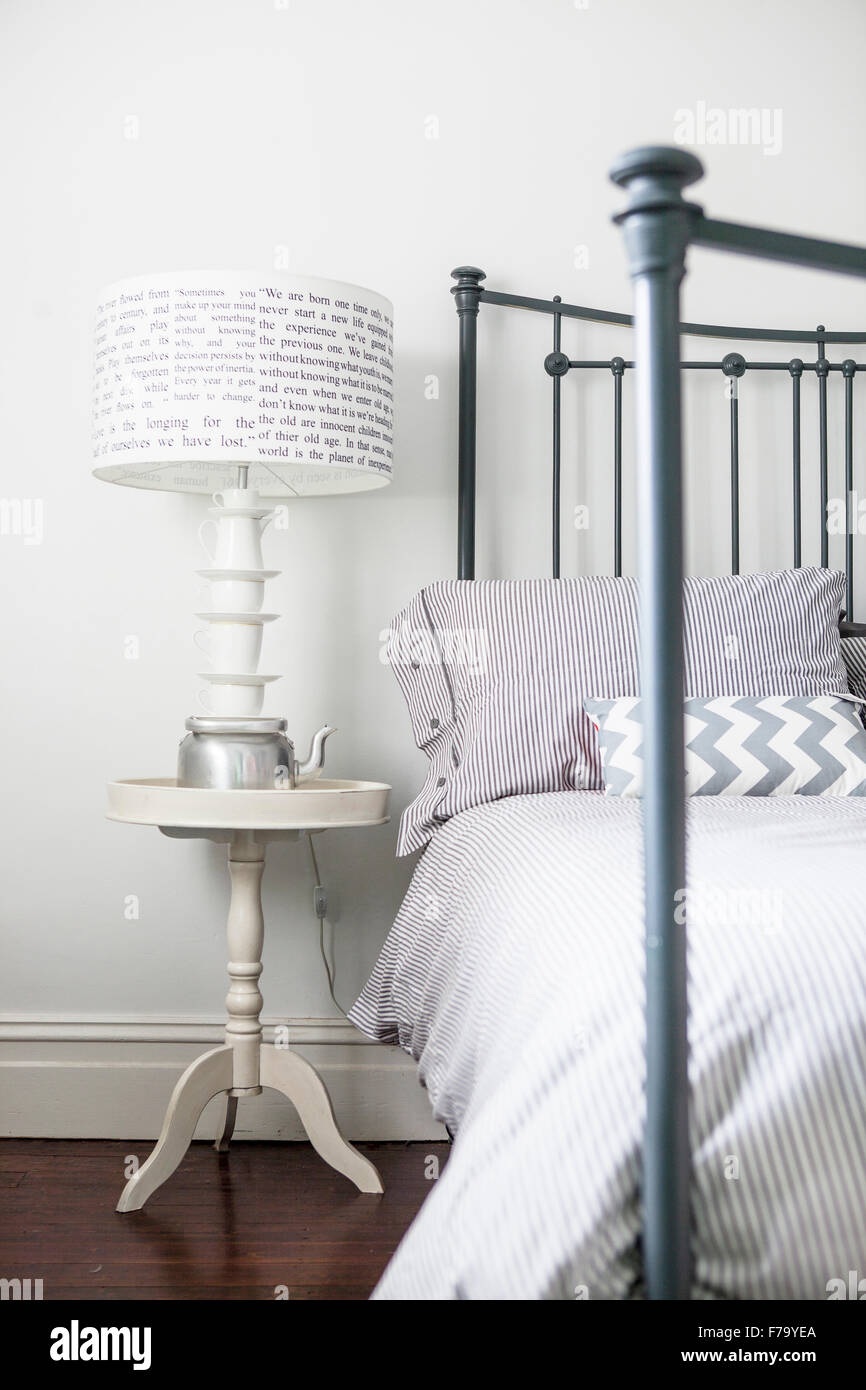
(780,745)
(854,659)
(495,672)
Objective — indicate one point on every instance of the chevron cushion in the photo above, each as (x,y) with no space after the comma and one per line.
(775,745)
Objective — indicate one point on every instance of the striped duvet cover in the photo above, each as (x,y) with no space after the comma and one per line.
(513,974)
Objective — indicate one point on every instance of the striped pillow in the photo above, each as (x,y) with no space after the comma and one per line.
(495,672)
(781,745)
(854,659)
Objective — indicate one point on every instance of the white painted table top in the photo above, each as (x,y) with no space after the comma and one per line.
(320,805)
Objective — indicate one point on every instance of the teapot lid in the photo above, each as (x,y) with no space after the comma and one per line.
(242,724)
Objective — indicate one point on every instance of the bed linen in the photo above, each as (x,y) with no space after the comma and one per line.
(495,671)
(514,976)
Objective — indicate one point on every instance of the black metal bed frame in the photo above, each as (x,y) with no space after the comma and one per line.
(469,295)
(658,226)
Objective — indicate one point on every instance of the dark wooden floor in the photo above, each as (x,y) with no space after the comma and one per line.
(235,1226)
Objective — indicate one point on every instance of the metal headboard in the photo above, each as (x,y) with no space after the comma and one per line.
(658,226)
(469,294)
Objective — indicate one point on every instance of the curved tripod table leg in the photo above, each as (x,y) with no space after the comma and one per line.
(300,1083)
(208,1075)
(226,1127)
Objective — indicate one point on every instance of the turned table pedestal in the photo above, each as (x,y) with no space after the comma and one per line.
(246,821)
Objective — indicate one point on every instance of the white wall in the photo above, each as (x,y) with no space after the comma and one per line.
(306,125)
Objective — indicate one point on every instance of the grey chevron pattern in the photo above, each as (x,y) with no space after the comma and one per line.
(708,745)
(618,769)
(778,745)
(759,743)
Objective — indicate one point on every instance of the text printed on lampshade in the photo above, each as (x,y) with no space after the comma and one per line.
(197,373)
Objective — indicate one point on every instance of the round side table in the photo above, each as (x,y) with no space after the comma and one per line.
(247,821)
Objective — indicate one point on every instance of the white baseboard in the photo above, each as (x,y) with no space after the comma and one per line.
(102,1078)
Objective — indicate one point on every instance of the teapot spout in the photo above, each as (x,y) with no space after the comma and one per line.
(312,766)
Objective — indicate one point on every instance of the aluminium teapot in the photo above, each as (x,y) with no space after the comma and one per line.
(245,754)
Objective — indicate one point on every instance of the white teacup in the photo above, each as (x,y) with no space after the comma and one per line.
(230,646)
(223,697)
(237,595)
(240,497)
(237,543)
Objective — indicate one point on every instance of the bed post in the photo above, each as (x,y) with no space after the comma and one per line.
(466,294)
(657,224)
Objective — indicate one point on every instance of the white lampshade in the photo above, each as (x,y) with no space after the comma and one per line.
(197,373)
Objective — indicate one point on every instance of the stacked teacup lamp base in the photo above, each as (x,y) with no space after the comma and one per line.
(232,745)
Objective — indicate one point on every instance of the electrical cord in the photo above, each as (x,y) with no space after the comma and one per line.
(319,902)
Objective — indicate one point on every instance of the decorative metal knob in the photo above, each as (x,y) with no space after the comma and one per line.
(734,364)
(656,174)
(467,289)
(556,364)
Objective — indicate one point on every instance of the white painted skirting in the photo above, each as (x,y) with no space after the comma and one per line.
(163,1028)
(102,1078)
